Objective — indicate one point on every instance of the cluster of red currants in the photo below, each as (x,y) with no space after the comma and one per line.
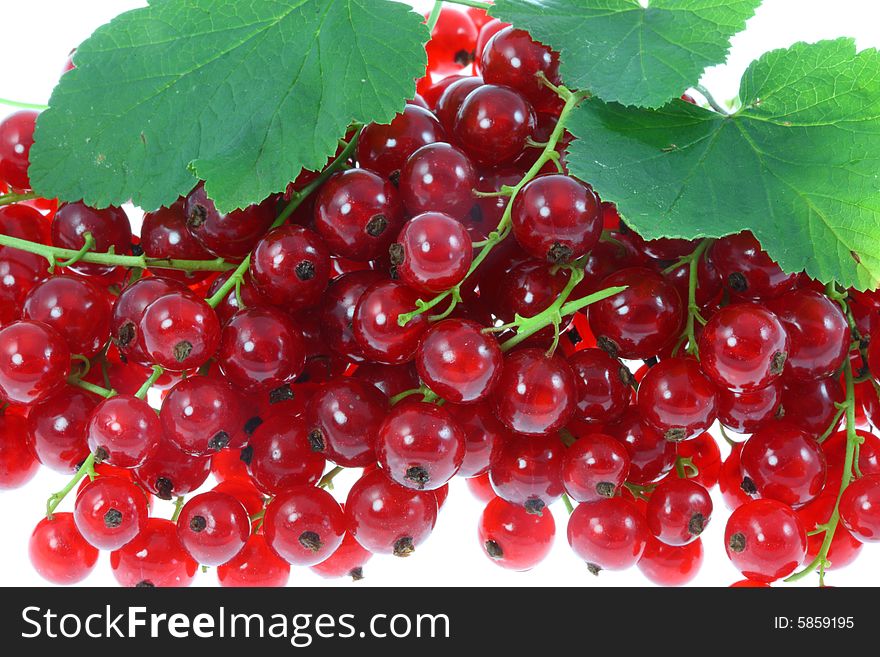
(313,343)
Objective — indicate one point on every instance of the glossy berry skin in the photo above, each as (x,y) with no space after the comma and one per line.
(594,467)
(651,455)
(528,288)
(512,58)
(438,178)
(155,558)
(78,310)
(667,565)
(389,379)
(376,326)
(783,463)
(420,446)
(34,362)
(747,271)
(640,321)
(291,267)
(19,272)
(281,456)
(17,463)
(604,385)
(556,218)
(383,149)
(337,311)
(835,454)
(765,540)
(678,511)
(730,479)
(483,436)
(124,431)
(812,405)
(109,227)
(608,534)
(343,419)
(170,472)
(179,332)
(231,236)
(23,222)
(451,99)
(260,349)
(458,361)
(452,43)
(746,412)
(536,394)
(256,565)
(513,538)
(860,508)
(389,519)
(433,253)
(844,548)
(110,512)
(493,123)
(705,455)
(743,348)
(59,553)
(56,429)
(818,333)
(304,525)
(129,309)
(202,415)
(213,527)
(164,234)
(528,471)
(676,399)
(347,561)
(16,138)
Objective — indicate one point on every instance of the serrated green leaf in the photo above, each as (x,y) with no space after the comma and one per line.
(241,93)
(799,165)
(627,53)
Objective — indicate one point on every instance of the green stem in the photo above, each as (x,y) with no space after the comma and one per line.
(178,507)
(19,104)
(472,3)
(296,200)
(53,254)
(7,199)
(145,387)
(712,102)
(568,505)
(841,409)
(693,261)
(87,468)
(502,230)
(327,479)
(435,15)
(396,399)
(106,393)
(88,245)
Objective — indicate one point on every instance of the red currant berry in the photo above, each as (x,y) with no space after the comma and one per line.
(109,228)
(640,321)
(451,99)
(528,472)
(25,223)
(347,561)
(668,565)
(179,331)
(124,431)
(17,463)
(155,558)
(705,456)
(16,139)
(730,479)
(343,418)
(835,448)
(651,455)
(337,313)
(231,236)
(675,398)
(452,43)
(304,525)
(213,527)
(594,467)
(844,546)
(438,178)
(57,428)
(487,211)
(383,149)
(493,124)
(513,538)
(536,394)
(256,565)
(812,405)
(860,508)
(291,267)
(708,280)
(420,446)
(34,362)
(743,348)
(746,412)
(376,326)
(483,436)
(391,380)
(747,270)
(128,311)
(59,553)
(765,540)
(202,415)
(556,218)
(75,308)
(512,58)
(389,519)
(609,534)
(171,472)
(432,253)
(678,511)
(260,349)
(604,385)
(110,512)
(280,456)
(164,234)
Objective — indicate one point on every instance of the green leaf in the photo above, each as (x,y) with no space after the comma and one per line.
(242,94)
(798,165)
(627,53)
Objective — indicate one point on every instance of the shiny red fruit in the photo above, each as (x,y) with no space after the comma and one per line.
(256,565)
(59,553)
(677,399)
(34,362)
(155,558)
(594,467)
(765,540)
(376,326)
(433,253)
(609,534)
(513,538)
(304,525)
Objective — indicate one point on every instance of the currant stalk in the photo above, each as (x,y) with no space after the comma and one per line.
(502,230)
(694,315)
(7,199)
(87,468)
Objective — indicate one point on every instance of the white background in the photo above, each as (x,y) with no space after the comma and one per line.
(36,38)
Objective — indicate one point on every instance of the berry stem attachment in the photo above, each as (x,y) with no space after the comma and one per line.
(145,387)
(88,245)
(106,393)
(434,16)
(694,315)
(178,507)
(7,199)
(327,479)
(568,505)
(21,105)
(87,468)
